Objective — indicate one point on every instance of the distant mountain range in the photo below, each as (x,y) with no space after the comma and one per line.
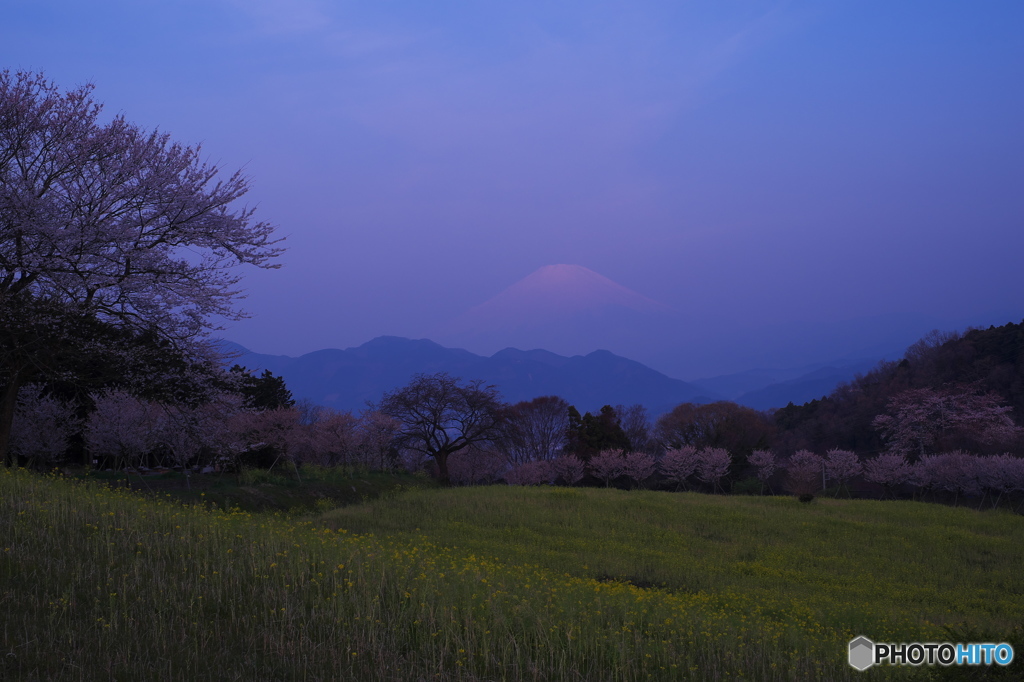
(764,389)
(571,310)
(348,379)
(565,309)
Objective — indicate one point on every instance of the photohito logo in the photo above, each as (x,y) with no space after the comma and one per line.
(864,653)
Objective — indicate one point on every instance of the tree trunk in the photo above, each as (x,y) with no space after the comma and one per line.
(441,458)
(8,401)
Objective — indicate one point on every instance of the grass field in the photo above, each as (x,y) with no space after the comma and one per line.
(258,490)
(489,584)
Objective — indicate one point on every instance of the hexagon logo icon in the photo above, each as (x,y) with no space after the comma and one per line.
(862,653)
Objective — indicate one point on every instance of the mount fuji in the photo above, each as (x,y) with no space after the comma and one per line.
(565,309)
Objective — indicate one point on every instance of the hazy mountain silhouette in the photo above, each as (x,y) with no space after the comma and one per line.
(810,386)
(764,389)
(347,379)
(567,309)
(571,310)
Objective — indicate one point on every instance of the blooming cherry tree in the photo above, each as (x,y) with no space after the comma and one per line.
(888,470)
(537,472)
(475,466)
(335,437)
(918,419)
(570,469)
(608,465)
(804,472)
(105,220)
(43,425)
(678,464)
(764,462)
(639,466)
(377,433)
(841,466)
(955,472)
(713,465)
(122,427)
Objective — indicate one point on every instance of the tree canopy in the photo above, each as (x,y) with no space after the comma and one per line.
(441,415)
(106,222)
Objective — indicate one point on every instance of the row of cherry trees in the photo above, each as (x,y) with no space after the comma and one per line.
(804,473)
(123,430)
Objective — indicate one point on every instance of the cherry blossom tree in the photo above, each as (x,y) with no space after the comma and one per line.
(180,433)
(440,415)
(537,472)
(43,425)
(569,469)
(608,465)
(122,427)
(804,472)
(638,467)
(1001,475)
(955,472)
(713,465)
(377,434)
(335,437)
(476,466)
(764,462)
(222,424)
(678,464)
(107,221)
(919,418)
(280,429)
(888,470)
(841,466)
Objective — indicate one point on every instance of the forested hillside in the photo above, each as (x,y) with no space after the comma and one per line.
(981,364)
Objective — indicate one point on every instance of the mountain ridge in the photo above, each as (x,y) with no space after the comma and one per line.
(349,379)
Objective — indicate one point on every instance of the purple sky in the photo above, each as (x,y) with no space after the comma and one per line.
(763,168)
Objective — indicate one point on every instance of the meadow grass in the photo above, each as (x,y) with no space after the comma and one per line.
(102,584)
(885,569)
(259,490)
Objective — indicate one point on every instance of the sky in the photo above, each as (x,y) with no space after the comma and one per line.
(804,172)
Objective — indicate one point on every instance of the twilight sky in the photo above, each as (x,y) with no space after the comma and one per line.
(800,181)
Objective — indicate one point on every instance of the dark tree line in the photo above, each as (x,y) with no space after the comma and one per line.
(981,365)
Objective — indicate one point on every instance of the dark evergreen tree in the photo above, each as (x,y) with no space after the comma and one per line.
(590,434)
(263,392)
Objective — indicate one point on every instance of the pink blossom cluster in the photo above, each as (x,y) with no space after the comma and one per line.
(678,464)
(805,472)
(713,465)
(764,462)
(537,472)
(475,466)
(569,469)
(709,465)
(43,425)
(129,431)
(608,465)
(962,473)
(889,470)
